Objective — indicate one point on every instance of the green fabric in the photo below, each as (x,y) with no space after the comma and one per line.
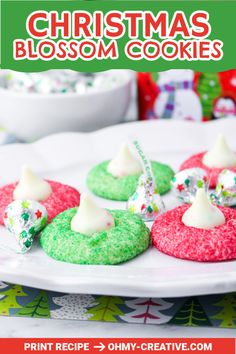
(38,307)
(103,184)
(9,299)
(127,239)
(191,314)
(217,311)
(107,309)
(227,312)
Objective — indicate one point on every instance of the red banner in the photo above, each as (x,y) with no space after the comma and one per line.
(120,345)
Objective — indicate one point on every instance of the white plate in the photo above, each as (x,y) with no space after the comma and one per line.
(67,158)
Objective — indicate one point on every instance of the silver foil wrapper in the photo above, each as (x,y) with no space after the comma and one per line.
(186,183)
(59,81)
(24,219)
(146,202)
(225,192)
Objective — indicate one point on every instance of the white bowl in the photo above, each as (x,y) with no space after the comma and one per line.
(33,115)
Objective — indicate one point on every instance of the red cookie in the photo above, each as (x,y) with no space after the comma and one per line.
(63,197)
(172,237)
(196,161)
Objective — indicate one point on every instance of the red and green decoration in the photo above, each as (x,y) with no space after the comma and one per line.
(24,219)
(217,311)
(216,91)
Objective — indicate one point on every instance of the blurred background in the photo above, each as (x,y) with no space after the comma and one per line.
(33,105)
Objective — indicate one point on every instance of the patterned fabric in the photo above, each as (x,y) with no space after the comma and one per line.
(213,310)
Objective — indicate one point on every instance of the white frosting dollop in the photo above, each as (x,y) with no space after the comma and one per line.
(124,164)
(31,186)
(90,218)
(202,214)
(220,156)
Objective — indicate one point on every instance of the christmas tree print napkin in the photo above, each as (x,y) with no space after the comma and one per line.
(213,310)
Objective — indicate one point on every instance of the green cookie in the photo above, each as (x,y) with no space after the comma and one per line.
(103,184)
(128,238)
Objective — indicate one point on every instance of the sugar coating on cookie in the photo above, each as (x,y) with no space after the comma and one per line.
(172,237)
(103,184)
(63,197)
(127,239)
(213,173)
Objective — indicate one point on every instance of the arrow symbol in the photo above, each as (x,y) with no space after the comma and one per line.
(101,346)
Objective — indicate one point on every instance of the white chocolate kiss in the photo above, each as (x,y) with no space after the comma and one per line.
(124,164)
(31,186)
(220,156)
(202,214)
(90,219)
